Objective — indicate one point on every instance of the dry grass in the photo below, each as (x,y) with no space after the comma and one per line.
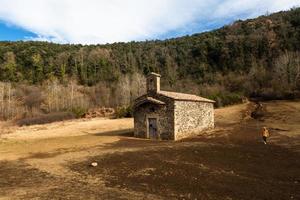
(46,118)
(52,161)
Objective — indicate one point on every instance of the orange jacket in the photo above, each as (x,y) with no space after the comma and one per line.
(265,132)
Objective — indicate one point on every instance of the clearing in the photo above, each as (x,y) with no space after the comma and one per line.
(53,161)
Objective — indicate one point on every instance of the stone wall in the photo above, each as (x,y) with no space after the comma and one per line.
(192,117)
(164,115)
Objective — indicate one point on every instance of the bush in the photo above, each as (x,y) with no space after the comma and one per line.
(79,112)
(124,112)
(46,118)
(225,99)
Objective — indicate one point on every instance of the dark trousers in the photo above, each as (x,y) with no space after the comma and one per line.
(265,138)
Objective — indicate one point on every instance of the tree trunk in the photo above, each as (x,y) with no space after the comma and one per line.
(2,100)
(9,101)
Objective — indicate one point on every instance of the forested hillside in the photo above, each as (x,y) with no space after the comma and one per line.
(258,58)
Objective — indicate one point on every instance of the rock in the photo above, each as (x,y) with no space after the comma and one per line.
(94,164)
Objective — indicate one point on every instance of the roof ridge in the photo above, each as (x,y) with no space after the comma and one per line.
(184,96)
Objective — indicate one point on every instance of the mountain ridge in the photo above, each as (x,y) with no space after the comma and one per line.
(252,58)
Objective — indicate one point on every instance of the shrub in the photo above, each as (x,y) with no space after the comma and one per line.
(225,99)
(46,118)
(124,112)
(79,112)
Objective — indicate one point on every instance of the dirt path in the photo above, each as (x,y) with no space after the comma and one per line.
(52,161)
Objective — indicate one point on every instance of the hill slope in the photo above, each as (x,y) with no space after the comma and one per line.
(239,46)
(256,57)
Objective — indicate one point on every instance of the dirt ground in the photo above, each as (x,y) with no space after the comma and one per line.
(230,162)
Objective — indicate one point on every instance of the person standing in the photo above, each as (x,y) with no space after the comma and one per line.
(265,134)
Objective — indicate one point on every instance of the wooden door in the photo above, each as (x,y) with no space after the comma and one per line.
(152,129)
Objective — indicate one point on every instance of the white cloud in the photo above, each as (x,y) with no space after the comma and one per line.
(101,21)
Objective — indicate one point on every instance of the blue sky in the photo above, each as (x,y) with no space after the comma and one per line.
(13,33)
(107,21)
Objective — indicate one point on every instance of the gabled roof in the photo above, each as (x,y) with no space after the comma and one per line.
(146,99)
(184,97)
(172,95)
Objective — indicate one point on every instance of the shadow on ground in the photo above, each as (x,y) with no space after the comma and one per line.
(238,166)
(125,133)
(228,163)
(20,181)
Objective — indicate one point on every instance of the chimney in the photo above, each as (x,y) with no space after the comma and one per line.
(153,83)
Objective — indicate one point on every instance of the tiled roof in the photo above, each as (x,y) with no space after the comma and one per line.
(145,99)
(184,97)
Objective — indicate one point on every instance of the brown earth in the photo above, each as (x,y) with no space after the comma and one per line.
(231,162)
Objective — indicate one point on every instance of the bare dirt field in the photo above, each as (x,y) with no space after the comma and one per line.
(230,162)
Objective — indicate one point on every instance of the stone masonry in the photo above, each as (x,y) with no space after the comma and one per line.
(166,115)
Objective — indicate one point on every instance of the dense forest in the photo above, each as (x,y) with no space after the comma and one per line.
(253,58)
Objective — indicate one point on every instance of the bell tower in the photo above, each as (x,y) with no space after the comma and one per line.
(153,83)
